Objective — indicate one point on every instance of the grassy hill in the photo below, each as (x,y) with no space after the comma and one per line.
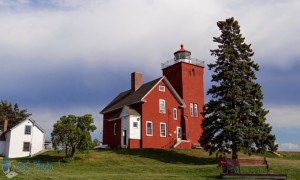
(140,164)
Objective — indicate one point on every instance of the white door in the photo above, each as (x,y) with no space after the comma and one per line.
(179,134)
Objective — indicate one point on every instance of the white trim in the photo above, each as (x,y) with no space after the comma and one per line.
(24,146)
(174,92)
(115,131)
(161,129)
(137,125)
(32,121)
(162,88)
(177,133)
(196,112)
(175,113)
(30,131)
(169,85)
(152,88)
(179,142)
(147,128)
(162,110)
(191,109)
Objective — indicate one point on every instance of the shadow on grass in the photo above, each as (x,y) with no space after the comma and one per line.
(167,156)
(213,177)
(48,157)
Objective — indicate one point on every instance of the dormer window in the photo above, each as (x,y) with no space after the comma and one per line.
(162,88)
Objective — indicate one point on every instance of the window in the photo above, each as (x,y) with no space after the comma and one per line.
(162,88)
(175,113)
(196,110)
(28,130)
(191,109)
(26,146)
(162,106)
(149,128)
(115,127)
(135,124)
(163,130)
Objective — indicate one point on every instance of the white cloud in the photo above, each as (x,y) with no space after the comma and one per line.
(72,3)
(144,33)
(284,116)
(289,147)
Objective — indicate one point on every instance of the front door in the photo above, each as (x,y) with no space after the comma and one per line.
(124,137)
(179,134)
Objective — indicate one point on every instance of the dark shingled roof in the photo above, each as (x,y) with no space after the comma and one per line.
(128,97)
(131,111)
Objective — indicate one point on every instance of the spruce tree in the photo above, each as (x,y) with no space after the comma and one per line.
(234,118)
(12,113)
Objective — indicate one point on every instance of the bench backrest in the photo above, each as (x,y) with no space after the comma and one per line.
(253,161)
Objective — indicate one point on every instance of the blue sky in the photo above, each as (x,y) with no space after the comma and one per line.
(61,57)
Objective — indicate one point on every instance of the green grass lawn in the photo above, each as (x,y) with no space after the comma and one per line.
(140,164)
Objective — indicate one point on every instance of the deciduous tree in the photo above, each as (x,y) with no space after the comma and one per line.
(72,133)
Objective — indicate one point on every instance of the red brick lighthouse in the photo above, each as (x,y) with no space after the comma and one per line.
(186,76)
(162,113)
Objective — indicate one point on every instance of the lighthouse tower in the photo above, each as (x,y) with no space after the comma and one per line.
(186,76)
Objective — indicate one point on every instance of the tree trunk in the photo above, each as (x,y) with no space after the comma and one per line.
(234,154)
(66,151)
(73,151)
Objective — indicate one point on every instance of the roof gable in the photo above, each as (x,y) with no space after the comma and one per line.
(32,121)
(127,111)
(171,88)
(128,98)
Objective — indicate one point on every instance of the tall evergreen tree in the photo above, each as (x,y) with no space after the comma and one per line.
(235,118)
(12,113)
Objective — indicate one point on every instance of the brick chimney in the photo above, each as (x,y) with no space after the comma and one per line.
(136,81)
(5,126)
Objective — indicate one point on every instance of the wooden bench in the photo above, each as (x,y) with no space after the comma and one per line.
(232,169)
(253,162)
(254,176)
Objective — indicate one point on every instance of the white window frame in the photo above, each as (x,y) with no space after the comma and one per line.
(196,110)
(191,109)
(25,150)
(165,129)
(135,123)
(27,130)
(175,113)
(162,109)
(162,88)
(149,122)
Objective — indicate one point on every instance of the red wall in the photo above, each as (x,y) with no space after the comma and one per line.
(187,79)
(108,132)
(150,112)
(134,143)
(184,145)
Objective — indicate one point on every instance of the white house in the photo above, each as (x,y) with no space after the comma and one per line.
(24,139)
